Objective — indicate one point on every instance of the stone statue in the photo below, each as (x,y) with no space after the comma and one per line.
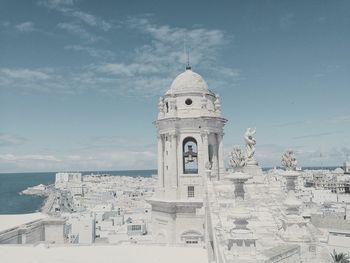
(250,145)
(172,104)
(289,161)
(237,160)
(208,165)
(204,102)
(217,104)
(161,107)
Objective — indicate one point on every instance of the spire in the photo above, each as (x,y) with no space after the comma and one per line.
(187,54)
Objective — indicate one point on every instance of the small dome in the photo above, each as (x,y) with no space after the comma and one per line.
(339,171)
(188,81)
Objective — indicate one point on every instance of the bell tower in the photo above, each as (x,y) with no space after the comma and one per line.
(190,139)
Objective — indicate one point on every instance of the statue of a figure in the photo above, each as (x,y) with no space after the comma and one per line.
(208,165)
(250,144)
(204,102)
(172,104)
(161,105)
(217,104)
(289,161)
(237,160)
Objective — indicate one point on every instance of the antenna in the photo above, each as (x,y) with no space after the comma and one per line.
(187,54)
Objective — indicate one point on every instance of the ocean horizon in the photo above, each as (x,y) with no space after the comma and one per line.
(11,184)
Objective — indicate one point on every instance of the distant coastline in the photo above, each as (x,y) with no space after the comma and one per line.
(111,172)
(12,202)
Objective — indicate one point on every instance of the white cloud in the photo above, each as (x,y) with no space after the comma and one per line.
(59,5)
(287,20)
(269,155)
(30,157)
(97,153)
(148,70)
(152,65)
(91,20)
(312,135)
(69,9)
(128,69)
(93,52)
(339,119)
(92,160)
(77,30)
(168,42)
(5,24)
(7,139)
(25,27)
(25,74)
(39,80)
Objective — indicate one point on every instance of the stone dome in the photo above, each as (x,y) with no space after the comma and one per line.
(339,171)
(188,81)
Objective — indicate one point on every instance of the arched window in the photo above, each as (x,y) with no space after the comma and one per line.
(210,152)
(190,156)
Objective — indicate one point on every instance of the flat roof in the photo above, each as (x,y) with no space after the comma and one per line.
(12,221)
(126,253)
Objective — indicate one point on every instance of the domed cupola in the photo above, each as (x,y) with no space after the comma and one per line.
(189,97)
(188,82)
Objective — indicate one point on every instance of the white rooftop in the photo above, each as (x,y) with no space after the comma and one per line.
(127,253)
(11,221)
(188,81)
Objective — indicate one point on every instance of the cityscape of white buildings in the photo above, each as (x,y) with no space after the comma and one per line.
(195,206)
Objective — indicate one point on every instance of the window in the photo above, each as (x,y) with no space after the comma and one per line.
(135,227)
(190,191)
(190,160)
(191,241)
(167,107)
(188,101)
(210,152)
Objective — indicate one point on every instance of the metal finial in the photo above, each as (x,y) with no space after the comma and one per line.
(187,54)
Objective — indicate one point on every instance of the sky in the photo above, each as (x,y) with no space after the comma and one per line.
(80,79)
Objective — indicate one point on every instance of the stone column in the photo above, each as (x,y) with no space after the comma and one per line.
(215,165)
(22,236)
(160,161)
(205,151)
(173,164)
(174,143)
(221,156)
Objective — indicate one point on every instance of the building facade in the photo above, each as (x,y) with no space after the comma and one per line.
(190,141)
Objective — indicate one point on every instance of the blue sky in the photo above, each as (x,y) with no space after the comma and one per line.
(80,80)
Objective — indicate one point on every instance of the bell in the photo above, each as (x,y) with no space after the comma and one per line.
(189,158)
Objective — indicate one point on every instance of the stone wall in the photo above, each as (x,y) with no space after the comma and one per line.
(330,222)
(33,232)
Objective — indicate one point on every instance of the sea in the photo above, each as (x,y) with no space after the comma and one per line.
(11,184)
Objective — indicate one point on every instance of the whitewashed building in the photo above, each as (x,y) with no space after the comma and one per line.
(81,228)
(71,181)
(347,167)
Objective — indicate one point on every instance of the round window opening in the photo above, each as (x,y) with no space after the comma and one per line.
(188,102)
